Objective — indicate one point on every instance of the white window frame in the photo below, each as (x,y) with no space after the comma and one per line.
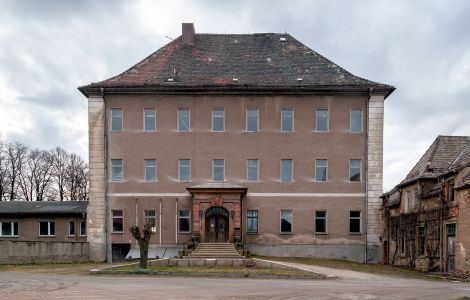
(257,170)
(293,118)
(145,170)
(178,119)
(407,201)
(12,228)
(118,217)
(292,221)
(184,217)
(80,228)
(122,170)
(179,170)
(48,228)
(223,119)
(213,161)
(362,120)
(246,120)
(154,218)
(360,170)
(122,119)
(326,221)
(355,218)
(291,170)
(74,228)
(327,119)
(326,179)
(154,119)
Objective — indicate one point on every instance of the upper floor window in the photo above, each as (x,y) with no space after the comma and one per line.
(150,120)
(116,119)
(252,221)
(46,228)
(9,228)
(116,170)
(184,119)
(118,221)
(252,120)
(415,198)
(218,123)
(286,170)
(320,221)
(450,190)
(184,221)
(321,169)
(218,170)
(252,170)
(287,120)
(407,201)
(150,172)
(71,228)
(82,228)
(421,240)
(355,170)
(356,120)
(322,119)
(286,221)
(184,170)
(355,222)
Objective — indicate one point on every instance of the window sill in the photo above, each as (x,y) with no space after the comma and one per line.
(355,233)
(321,131)
(46,236)
(9,236)
(321,233)
(286,233)
(252,233)
(71,236)
(117,232)
(251,131)
(184,232)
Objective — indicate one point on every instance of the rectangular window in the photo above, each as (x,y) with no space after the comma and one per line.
(355,222)
(286,170)
(118,221)
(287,120)
(354,170)
(252,120)
(356,120)
(150,169)
(184,119)
(252,221)
(218,123)
(218,170)
(252,170)
(82,228)
(415,199)
(450,190)
(150,218)
(150,120)
(184,169)
(71,228)
(116,170)
(286,221)
(9,228)
(421,240)
(46,228)
(322,119)
(407,201)
(402,244)
(321,169)
(184,221)
(320,222)
(116,119)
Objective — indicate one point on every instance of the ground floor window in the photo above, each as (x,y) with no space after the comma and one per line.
(421,240)
(184,221)
(320,221)
(9,228)
(150,218)
(83,228)
(252,221)
(355,221)
(46,228)
(118,221)
(286,221)
(71,228)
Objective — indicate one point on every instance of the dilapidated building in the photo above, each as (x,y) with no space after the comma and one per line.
(427,216)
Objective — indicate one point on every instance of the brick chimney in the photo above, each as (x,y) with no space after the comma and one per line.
(189,34)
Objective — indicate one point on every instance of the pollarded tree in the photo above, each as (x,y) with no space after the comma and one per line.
(143,241)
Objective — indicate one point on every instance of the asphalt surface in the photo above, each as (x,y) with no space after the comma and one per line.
(23,285)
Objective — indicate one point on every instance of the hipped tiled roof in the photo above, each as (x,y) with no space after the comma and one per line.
(268,60)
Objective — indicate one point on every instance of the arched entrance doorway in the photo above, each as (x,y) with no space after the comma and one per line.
(217,224)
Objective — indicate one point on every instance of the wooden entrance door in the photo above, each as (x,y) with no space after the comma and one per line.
(450,247)
(217,225)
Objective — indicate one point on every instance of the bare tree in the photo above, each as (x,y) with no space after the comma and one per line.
(4,182)
(35,176)
(59,170)
(16,154)
(76,180)
(143,242)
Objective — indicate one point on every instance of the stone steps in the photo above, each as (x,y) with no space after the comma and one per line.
(215,250)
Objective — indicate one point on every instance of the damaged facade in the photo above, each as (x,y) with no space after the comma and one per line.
(248,138)
(427,216)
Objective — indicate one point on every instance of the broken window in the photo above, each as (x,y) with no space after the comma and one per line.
(184,221)
(286,221)
(321,168)
(450,190)
(355,222)
(354,170)
(320,222)
(118,221)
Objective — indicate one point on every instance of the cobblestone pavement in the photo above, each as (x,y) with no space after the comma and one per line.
(23,285)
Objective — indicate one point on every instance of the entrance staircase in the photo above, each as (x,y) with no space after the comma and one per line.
(215,250)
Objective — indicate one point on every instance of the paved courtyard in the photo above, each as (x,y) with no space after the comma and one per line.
(24,285)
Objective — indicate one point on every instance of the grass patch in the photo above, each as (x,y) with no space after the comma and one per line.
(378,269)
(251,272)
(54,268)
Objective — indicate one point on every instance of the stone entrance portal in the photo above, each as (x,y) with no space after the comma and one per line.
(217,211)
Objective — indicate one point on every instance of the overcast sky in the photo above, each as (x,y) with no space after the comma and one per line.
(49,48)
